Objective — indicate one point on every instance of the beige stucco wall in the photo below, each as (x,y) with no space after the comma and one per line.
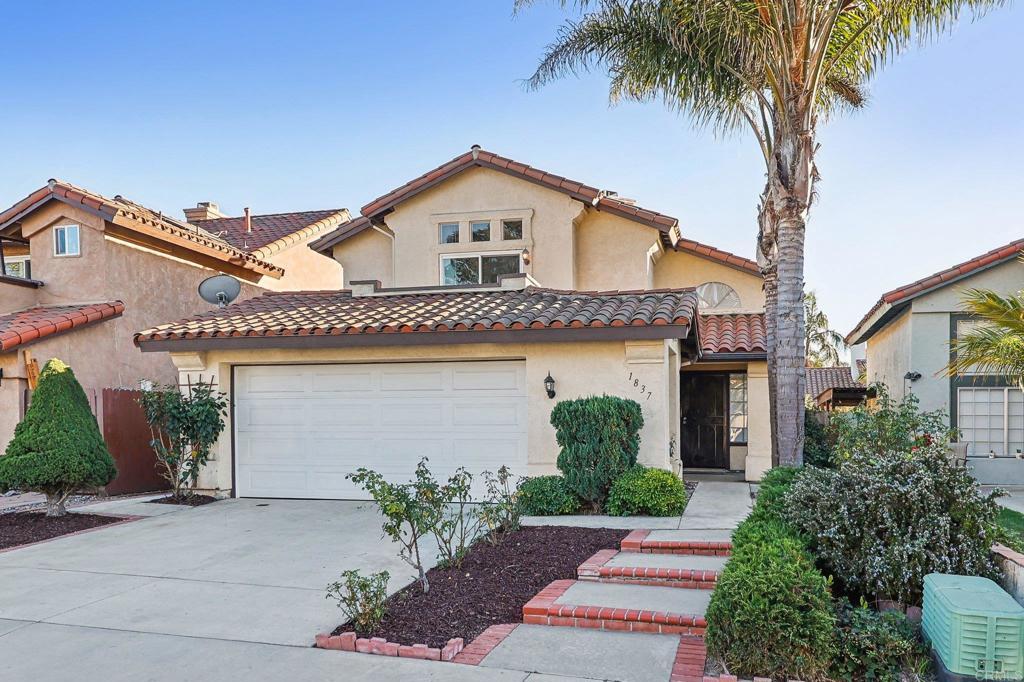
(614,253)
(590,368)
(304,269)
(888,355)
(366,256)
(15,297)
(759,428)
(681,269)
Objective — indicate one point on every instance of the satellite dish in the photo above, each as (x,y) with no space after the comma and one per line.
(220,289)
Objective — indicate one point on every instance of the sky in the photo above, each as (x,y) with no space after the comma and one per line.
(309,105)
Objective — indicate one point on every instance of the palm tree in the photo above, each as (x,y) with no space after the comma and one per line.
(777,67)
(996,344)
(821,343)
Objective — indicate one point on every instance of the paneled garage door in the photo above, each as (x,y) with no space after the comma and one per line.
(299,429)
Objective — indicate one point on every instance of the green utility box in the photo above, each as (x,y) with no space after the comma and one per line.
(975,628)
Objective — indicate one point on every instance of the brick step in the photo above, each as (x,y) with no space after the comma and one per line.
(696,542)
(616,606)
(690,571)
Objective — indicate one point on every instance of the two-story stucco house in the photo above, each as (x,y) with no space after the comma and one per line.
(477,296)
(907,336)
(81,273)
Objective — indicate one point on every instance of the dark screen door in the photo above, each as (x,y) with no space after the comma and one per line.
(704,408)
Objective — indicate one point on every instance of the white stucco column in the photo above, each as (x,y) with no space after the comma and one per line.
(759,428)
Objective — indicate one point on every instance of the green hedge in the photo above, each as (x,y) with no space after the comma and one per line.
(771,612)
(599,439)
(643,491)
(547,496)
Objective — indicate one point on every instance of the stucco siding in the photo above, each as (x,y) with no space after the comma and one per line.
(929,355)
(680,269)
(582,369)
(366,256)
(614,253)
(888,355)
(1007,278)
(479,194)
(304,269)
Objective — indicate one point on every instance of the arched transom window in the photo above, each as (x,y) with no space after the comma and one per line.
(717,296)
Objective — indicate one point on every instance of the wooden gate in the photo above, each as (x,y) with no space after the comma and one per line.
(127,435)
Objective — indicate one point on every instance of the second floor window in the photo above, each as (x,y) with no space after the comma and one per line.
(449,233)
(478,268)
(65,240)
(480,231)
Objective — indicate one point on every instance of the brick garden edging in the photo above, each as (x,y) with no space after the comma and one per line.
(594,568)
(637,541)
(484,644)
(347,641)
(542,610)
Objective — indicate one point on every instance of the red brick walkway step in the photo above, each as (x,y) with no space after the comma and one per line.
(634,608)
(649,568)
(696,542)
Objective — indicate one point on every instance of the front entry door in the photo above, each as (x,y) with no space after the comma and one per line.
(704,408)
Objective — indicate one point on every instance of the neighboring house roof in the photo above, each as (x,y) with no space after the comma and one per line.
(272,228)
(33,324)
(138,218)
(332,318)
(350,229)
(893,302)
(600,199)
(820,379)
(732,333)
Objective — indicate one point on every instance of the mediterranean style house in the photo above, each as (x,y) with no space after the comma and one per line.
(80,273)
(477,296)
(907,336)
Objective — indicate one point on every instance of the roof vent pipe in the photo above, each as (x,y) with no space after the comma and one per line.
(248,221)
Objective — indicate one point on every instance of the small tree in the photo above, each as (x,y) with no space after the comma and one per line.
(600,439)
(185,426)
(57,448)
(411,511)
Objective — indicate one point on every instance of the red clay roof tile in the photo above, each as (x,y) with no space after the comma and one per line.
(309,313)
(25,326)
(820,379)
(268,228)
(732,333)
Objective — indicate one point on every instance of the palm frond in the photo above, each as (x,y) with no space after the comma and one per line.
(996,345)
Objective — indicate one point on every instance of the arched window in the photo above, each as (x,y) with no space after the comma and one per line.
(717,296)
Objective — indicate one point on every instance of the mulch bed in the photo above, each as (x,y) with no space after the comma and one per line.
(22,528)
(491,586)
(190,501)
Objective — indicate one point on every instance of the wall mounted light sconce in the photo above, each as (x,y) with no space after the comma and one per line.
(549,385)
(912,376)
(526,256)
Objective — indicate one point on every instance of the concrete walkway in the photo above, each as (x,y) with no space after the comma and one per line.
(714,505)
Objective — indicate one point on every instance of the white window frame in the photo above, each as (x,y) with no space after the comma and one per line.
(490,231)
(458,232)
(1006,417)
(18,259)
(746,409)
(78,241)
(472,254)
(522,229)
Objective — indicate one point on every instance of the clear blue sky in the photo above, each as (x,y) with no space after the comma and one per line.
(305,105)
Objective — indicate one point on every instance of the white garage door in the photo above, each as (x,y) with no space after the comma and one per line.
(299,429)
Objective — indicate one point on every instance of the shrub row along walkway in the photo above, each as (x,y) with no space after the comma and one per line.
(635,612)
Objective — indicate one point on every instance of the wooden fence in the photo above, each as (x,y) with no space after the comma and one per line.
(127,435)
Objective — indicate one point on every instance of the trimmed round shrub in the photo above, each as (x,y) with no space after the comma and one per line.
(771,613)
(771,492)
(599,439)
(649,492)
(547,496)
(881,522)
(57,448)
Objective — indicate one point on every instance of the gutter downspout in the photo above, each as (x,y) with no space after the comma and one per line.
(390,235)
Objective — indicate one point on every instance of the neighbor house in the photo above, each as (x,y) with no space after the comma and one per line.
(477,296)
(907,336)
(81,273)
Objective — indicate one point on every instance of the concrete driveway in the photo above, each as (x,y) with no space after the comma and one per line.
(230,590)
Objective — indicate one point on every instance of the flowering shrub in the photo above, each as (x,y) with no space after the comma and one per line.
(882,521)
(885,426)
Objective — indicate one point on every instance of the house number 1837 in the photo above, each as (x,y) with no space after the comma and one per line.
(640,386)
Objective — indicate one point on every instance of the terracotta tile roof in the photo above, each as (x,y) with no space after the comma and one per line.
(339,313)
(353,227)
(820,379)
(601,200)
(718,255)
(943,277)
(140,218)
(732,333)
(32,324)
(270,228)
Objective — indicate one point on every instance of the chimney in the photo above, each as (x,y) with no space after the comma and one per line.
(248,221)
(204,210)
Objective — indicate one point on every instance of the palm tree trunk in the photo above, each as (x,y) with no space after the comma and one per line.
(783,218)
